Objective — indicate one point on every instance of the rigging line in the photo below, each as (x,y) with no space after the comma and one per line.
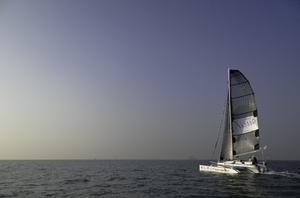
(219,131)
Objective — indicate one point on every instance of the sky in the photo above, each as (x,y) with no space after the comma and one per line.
(141,79)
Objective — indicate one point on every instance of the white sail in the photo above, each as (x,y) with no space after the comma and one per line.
(226,151)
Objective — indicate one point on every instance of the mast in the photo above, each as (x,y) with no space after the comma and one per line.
(229,114)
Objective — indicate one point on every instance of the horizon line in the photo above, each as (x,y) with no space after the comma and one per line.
(130,159)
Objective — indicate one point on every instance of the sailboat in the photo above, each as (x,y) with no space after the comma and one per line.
(241,134)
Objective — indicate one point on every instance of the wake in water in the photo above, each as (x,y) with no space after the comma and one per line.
(283,174)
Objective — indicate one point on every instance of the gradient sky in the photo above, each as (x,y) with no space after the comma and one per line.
(137,79)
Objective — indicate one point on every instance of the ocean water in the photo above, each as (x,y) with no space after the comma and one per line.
(142,178)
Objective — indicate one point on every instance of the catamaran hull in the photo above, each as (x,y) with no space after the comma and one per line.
(233,167)
(217,169)
(244,166)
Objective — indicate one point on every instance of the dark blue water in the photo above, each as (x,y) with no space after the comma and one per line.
(142,179)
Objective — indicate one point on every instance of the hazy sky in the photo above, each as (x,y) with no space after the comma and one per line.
(143,79)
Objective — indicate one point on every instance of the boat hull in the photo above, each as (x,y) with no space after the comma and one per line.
(244,166)
(217,169)
(233,167)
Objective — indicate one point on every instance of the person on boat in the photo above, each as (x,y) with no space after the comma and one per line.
(254,160)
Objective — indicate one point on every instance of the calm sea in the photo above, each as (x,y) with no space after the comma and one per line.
(143,178)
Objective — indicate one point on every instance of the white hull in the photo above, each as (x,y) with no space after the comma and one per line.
(233,167)
(217,169)
(244,166)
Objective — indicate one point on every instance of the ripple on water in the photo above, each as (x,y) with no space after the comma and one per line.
(76,181)
(116,178)
(140,179)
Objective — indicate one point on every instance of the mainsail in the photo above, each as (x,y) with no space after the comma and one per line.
(241,132)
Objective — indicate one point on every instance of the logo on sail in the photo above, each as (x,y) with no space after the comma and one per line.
(244,125)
